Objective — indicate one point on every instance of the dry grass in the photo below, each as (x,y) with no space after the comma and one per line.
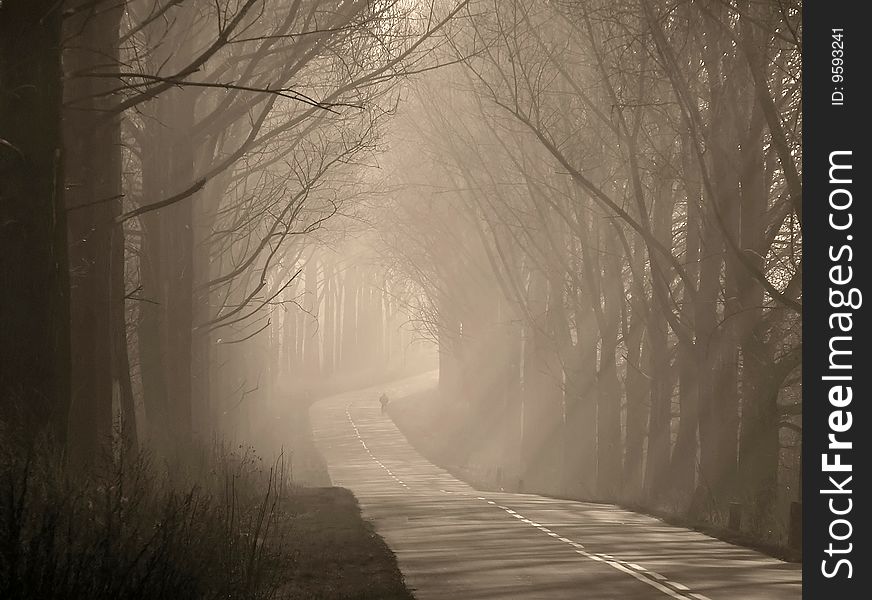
(236,530)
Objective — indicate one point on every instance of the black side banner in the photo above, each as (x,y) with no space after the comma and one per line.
(835,323)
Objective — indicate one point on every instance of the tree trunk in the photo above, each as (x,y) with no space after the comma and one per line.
(93,174)
(327,321)
(202,423)
(177,269)
(759,445)
(580,439)
(289,328)
(34,272)
(657,464)
(449,350)
(660,417)
(312,346)
(120,350)
(609,454)
(388,330)
(718,402)
(686,450)
(637,384)
(541,443)
(349,320)
(511,391)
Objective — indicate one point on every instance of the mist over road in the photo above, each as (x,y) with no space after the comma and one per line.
(455,542)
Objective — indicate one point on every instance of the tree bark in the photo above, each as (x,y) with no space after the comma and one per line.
(312,345)
(541,437)
(349,320)
(93,176)
(34,272)
(609,454)
(580,439)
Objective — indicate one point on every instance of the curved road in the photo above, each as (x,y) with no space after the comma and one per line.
(457,543)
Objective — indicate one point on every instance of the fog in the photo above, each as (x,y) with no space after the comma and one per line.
(584,216)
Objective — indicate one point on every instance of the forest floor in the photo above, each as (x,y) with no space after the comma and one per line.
(435,429)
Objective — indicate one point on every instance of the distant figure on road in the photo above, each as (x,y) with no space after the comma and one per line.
(384,401)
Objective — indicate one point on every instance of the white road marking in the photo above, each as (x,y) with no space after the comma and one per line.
(632,569)
(369,452)
(651,578)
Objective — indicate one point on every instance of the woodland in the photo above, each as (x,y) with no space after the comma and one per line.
(586,214)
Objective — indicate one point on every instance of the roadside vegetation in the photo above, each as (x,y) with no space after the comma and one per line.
(232,525)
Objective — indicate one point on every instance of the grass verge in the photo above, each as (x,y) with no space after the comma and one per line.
(238,529)
(335,554)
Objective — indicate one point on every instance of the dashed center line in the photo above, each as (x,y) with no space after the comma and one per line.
(660,582)
(654,579)
(369,452)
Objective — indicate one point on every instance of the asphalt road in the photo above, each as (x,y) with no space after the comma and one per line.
(457,543)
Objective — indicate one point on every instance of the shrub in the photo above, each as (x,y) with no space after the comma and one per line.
(124,530)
